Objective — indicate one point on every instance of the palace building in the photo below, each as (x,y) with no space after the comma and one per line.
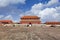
(6,22)
(52,23)
(30,20)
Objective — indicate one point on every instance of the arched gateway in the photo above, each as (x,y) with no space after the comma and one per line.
(30,20)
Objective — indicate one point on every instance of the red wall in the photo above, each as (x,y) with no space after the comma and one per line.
(30,22)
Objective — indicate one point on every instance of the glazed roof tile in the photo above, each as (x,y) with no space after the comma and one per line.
(30,17)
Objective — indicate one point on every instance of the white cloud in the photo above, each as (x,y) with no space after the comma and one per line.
(1,16)
(52,2)
(46,13)
(21,15)
(50,14)
(8,17)
(4,3)
(56,15)
(37,6)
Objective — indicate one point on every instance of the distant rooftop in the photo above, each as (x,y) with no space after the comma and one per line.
(5,20)
(52,22)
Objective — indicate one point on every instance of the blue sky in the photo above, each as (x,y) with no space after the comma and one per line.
(47,10)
